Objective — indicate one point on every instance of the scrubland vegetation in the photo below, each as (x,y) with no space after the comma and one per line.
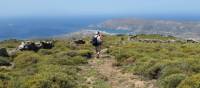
(173,65)
(48,68)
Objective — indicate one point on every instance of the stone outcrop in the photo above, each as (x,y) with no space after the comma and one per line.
(3,52)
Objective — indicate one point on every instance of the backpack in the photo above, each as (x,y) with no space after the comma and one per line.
(94,41)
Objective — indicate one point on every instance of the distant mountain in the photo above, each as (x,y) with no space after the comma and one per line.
(182,29)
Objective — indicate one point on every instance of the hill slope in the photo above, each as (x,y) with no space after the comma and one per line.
(124,63)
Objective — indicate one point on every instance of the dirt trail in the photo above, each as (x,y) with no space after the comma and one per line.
(116,78)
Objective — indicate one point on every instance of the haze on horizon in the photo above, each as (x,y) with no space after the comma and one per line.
(69,8)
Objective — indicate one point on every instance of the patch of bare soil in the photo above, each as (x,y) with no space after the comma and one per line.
(114,75)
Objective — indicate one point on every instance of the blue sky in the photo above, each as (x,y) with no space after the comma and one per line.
(20,8)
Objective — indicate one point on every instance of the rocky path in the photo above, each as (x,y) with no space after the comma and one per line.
(114,76)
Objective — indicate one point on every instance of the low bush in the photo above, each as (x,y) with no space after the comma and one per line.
(5,80)
(77,60)
(141,66)
(11,43)
(50,80)
(72,53)
(154,72)
(172,81)
(122,56)
(191,82)
(27,59)
(45,52)
(169,70)
(4,61)
(85,53)
(29,70)
(70,70)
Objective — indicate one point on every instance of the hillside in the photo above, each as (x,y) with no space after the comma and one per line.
(181,29)
(125,62)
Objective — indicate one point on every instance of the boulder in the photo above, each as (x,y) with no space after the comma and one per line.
(4,61)
(79,42)
(191,41)
(3,52)
(32,46)
(35,46)
(47,45)
(12,53)
(28,46)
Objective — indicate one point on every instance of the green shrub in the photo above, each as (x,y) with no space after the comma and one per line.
(70,70)
(50,80)
(85,53)
(11,43)
(77,60)
(4,61)
(154,72)
(121,55)
(60,61)
(169,70)
(72,53)
(4,80)
(29,70)
(172,81)
(4,76)
(45,52)
(16,82)
(60,54)
(52,76)
(27,59)
(60,46)
(142,65)
(191,82)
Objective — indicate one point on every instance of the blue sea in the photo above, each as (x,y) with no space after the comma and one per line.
(26,28)
(43,27)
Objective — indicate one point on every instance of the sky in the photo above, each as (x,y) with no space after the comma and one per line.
(54,8)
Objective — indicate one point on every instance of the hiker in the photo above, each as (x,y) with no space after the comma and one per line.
(97,42)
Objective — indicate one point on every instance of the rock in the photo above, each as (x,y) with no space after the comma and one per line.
(47,45)
(4,61)
(139,84)
(191,41)
(12,53)
(28,45)
(3,52)
(104,50)
(79,42)
(35,46)
(9,66)
(90,80)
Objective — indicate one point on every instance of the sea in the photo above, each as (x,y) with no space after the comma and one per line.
(28,28)
(45,27)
